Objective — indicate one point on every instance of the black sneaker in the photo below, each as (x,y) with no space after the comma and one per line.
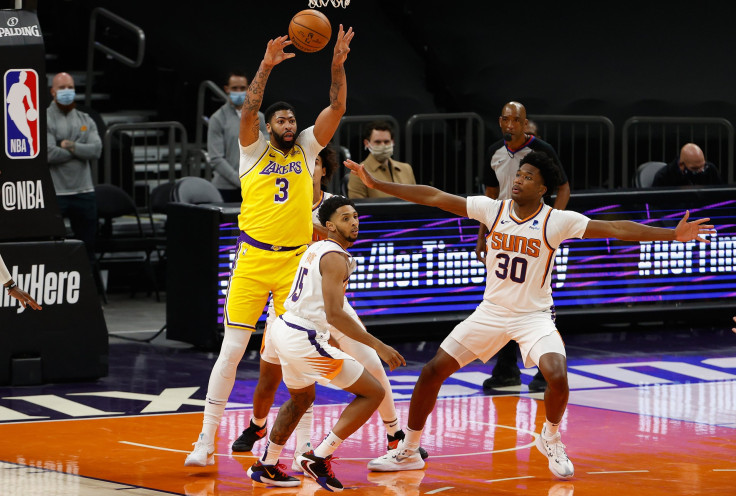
(320,470)
(393,443)
(272,475)
(249,436)
(497,381)
(538,384)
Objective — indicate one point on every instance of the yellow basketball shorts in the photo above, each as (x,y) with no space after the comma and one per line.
(256,273)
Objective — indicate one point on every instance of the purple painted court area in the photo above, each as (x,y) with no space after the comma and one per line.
(148,378)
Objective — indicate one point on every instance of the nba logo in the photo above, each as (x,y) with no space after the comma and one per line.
(21,113)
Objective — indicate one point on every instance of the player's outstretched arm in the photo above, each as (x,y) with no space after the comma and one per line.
(328,120)
(632,231)
(334,270)
(415,193)
(249,122)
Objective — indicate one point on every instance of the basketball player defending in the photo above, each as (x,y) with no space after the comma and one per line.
(324,166)
(523,237)
(300,337)
(275,224)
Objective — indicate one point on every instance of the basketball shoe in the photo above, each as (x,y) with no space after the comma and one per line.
(249,436)
(393,443)
(559,464)
(202,455)
(320,469)
(272,475)
(397,459)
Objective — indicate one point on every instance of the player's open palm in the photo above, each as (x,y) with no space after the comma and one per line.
(275,53)
(360,171)
(392,357)
(342,45)
(687,231)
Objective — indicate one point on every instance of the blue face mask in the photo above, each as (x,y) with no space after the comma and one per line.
(65,97)
(237,97)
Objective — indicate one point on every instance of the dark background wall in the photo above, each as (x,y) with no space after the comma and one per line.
(426,56)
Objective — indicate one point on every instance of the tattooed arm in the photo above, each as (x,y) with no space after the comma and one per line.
(249,122)
(329,118)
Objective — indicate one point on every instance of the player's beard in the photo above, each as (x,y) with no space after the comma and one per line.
(278,141)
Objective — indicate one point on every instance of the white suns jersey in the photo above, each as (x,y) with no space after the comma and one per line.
(315,213)
(305,299)
(520,252)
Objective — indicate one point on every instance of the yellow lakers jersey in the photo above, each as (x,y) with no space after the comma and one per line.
(277,191)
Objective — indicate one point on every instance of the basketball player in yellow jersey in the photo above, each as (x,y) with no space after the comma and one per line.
(276,225)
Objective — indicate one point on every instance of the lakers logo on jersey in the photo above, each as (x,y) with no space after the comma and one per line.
(274,168)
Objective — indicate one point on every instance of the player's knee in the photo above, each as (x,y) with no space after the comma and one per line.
(556,378)
(227,362)
(303,399)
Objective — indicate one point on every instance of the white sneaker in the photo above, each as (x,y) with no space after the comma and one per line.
(559,464)
(202,455)
(398,459)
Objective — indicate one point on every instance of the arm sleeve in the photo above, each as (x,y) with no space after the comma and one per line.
(90,146)
(4,274)
(216,151)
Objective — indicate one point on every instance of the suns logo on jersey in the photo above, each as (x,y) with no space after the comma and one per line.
(21,113)
(515,243)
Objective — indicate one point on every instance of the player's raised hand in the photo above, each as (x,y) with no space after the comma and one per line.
(342,45)
(688,231)
(360,171)
(392,357)
(275,53)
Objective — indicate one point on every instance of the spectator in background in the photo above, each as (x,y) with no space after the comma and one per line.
(689,168)
(13,290)
(504,160)
(73,141)
(222,137)
(378,139)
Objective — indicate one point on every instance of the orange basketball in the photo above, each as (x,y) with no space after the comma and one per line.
(310,30)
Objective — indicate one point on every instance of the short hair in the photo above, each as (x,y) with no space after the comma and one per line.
(378,126)
(238,72)
(330,206)
(275,107)
(329,162)
(547,168)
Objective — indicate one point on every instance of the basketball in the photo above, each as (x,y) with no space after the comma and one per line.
(31,114)
(310,30)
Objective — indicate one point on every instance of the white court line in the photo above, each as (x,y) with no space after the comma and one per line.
(439,490)
(161,448)
(724,470)
(511,478)
(620,472)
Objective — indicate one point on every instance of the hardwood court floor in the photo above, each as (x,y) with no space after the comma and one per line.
(651,413)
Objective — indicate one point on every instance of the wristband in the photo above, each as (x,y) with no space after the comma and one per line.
(10,288)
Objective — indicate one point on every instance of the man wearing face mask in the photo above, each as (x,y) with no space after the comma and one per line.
(688,169)
(222,137)
(73,141)
(379,141)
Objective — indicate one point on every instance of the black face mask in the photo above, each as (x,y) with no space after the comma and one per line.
(692,175)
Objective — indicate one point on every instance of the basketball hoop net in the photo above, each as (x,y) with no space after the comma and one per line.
(325,3)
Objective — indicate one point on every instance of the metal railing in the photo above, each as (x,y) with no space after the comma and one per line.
(645,139)
(446,150)
(585,146)
(93,45)
(148,154)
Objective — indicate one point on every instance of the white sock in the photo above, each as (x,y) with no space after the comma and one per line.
(392,426)
(304,432)
(222,379)
(271,455)
(328,446)
(551,428)
(260,422)
(412,439)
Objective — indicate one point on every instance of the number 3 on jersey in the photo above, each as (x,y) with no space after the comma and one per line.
(283,186)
